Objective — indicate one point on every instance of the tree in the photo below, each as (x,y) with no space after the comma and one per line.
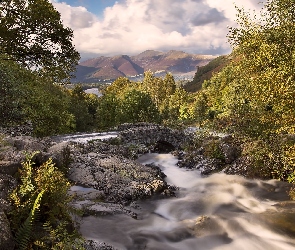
(79,108)
(108,111)
(32,33)
(10,110)
(254,94)
(175,103)
(118,86)
(200,108)
(138,106)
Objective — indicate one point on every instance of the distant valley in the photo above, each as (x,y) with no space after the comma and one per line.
(108,68)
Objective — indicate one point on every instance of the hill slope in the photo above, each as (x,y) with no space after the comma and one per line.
(205,73)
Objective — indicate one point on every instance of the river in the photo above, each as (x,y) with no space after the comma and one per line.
(221,212)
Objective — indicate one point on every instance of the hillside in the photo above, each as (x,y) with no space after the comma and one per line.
(101,68)
(205,73)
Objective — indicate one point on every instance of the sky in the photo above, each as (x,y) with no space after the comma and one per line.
(108,27)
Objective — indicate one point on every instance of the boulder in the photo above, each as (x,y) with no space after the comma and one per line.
(6,238)
(9,167)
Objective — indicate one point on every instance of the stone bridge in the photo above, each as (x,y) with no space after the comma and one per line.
(163,138)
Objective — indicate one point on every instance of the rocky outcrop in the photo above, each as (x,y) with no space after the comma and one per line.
(213,155)
(120,179)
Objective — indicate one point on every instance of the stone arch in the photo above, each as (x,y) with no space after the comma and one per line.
(162,146)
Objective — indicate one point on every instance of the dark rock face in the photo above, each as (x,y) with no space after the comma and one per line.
(7,184)
(6,238)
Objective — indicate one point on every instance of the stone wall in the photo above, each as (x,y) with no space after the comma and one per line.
(152,134)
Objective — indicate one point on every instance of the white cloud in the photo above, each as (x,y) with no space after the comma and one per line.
(132,26)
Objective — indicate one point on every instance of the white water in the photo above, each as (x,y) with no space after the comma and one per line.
(218,212)
(83,138)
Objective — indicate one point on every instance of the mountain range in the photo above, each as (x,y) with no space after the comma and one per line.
(102,68)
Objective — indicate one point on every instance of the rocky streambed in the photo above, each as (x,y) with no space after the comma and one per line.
(109,184)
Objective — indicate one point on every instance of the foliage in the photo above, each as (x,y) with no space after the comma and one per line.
(212,149)
(108,111)
(174,104)
(10,111)
(43,189)
(80,107)
(23,234)
(25,96)
(205,73)
(32,33)
(252,95)
(153,100)
(47,108)
(200,108)
(138,106)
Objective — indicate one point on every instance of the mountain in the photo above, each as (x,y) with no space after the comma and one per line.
(173,61)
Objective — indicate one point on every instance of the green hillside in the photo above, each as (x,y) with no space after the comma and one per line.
(205,73)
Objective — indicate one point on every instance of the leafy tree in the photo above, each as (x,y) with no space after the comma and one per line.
(254,93)
(118,86)
(175,103)
(47,107)
(92,102)
(32,33)
(138,106)
(200,107)
(154,87)
(10,110)
(79,108)
(108,111)
(28,97)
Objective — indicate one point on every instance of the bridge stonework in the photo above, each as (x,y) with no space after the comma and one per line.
(152,134)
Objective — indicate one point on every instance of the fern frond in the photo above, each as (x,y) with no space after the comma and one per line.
(23,234)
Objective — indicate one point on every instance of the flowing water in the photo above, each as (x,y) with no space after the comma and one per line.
(84,137)
(216,212)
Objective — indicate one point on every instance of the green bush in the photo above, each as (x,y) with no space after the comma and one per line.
(41,215)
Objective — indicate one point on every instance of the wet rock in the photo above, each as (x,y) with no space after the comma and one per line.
(9,167)
(88,208)
(6,238)
(98,245)
(204,226)
(120,179)
(7,184)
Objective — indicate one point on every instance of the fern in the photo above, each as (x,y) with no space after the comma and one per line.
(23,234)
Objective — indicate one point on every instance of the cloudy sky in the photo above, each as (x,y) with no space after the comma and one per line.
(108,27)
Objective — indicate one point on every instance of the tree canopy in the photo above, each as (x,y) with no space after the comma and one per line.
(255,92)
(32,33)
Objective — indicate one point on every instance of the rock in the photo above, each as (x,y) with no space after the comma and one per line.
(26,143)
(98,245)
(6,238)
(122,180)
(9,167)
(7,184)
(229,149)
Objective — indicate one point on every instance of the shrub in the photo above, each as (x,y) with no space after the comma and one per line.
(41,215)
